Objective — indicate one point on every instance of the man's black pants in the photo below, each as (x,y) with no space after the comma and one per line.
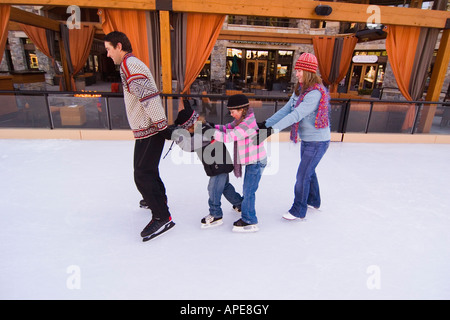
(147,154)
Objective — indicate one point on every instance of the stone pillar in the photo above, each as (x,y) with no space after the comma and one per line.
(332,28)
(17,52)
(390,91)
(45,64)
(219,61)
(4,64)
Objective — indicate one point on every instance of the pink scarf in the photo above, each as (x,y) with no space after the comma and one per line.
(322,113)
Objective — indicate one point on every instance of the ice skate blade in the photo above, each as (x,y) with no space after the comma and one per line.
(211,225)
(164,229)
(246,229)
(290,217)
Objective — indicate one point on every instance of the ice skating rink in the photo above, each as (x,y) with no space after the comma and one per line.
(70,225)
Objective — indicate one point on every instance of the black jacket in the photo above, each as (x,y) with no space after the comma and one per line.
(213,154)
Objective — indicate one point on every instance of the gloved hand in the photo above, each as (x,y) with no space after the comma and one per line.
(262,125)
(263,134)
(167,132)
(208,130)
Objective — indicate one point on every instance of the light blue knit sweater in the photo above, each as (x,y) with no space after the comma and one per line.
(305,113)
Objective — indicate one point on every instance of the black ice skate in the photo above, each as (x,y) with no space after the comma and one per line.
(209,221)
(242,226)
(143,204)
(156,228)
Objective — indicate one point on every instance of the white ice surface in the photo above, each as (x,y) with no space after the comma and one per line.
(70,224)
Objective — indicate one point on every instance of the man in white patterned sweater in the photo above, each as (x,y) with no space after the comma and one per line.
(148,121)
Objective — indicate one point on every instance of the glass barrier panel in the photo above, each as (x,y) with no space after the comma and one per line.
(357,118)
(336,112)
(91,110)
(23,111)
(78,111)
(117,113)
(392,117)
(441,120)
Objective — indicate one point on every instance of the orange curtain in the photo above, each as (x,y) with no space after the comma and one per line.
(131,22)
(346,57)
(80,45)
(329,55)
(401,45)
(201,34)
(38,37)
(5,10)
(323,49)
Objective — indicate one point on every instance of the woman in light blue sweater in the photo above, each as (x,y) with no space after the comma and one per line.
(307,111)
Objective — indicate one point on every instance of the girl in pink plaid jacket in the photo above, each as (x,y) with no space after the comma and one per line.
(253,156)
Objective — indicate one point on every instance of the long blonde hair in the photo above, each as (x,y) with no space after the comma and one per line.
(309,80)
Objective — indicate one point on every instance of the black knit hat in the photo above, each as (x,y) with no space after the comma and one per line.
(237,101)
(186,117)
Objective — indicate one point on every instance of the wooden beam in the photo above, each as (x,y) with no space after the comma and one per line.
(14,26)
(298,9)
(304,9)
(277,37)
(32,19)
(66,74)
(166,58)
(117,4)
(440,68)
(265,37)
(436,82)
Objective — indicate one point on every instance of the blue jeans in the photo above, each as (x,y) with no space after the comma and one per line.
(306,190)
(253,173)
(217,186)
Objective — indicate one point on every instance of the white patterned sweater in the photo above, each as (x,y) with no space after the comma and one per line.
(145,111)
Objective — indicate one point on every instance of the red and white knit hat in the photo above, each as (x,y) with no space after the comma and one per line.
(307,62)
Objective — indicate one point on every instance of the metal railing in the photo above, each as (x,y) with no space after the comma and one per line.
(106,110)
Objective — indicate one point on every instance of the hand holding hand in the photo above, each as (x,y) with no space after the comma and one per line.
(262,135)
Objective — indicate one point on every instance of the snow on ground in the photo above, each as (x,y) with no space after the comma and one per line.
(70,225)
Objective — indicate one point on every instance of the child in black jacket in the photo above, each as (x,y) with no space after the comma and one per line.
(193,135)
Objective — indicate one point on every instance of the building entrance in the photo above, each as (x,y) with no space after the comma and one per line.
(249,69)
(256,73)
(363,77)
(366,72)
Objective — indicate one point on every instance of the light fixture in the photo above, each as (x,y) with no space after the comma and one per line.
(323,10)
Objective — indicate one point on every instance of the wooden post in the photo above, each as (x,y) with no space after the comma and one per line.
(436,82)
(166,60)
(66,74)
